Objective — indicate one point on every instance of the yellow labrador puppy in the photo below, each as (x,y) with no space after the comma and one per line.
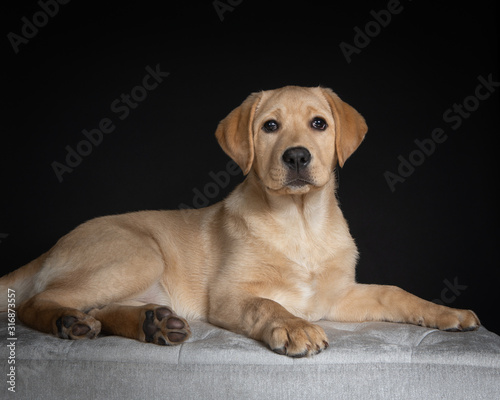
(272,258)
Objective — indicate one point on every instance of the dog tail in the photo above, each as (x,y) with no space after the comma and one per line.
(19,285)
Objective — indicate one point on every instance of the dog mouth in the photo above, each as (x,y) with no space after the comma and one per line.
(291,181)
(298,182)
(298,179)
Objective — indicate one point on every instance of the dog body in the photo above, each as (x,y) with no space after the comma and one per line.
(270,259)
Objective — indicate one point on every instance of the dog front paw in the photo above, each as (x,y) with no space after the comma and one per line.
(297,338)
(452,320)
(459,321)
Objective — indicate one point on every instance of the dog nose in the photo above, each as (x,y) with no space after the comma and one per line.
(296,158)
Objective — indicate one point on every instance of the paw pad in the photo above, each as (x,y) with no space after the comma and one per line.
(162,326)
(77,327)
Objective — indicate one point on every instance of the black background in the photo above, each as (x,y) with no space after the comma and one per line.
(439,226)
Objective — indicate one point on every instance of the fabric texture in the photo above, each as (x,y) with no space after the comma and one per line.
(373,360)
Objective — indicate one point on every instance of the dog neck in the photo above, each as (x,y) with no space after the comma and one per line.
(306,229)
(310,210)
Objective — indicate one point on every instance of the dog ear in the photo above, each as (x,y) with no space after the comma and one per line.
(235,133)
(350,126)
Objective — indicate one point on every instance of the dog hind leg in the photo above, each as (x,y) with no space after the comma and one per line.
(45,313)
(150,323)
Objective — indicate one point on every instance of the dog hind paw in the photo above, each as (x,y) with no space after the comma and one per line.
(77,326)
(162,326)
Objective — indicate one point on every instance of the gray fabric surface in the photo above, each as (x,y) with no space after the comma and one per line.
(369,360)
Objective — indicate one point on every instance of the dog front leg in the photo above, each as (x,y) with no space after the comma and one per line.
(151,323)
(390,303)
(265,320)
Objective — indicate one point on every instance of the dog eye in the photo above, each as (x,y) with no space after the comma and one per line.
(270,126)
(319,124)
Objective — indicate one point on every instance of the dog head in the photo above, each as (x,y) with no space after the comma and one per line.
(292,137)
